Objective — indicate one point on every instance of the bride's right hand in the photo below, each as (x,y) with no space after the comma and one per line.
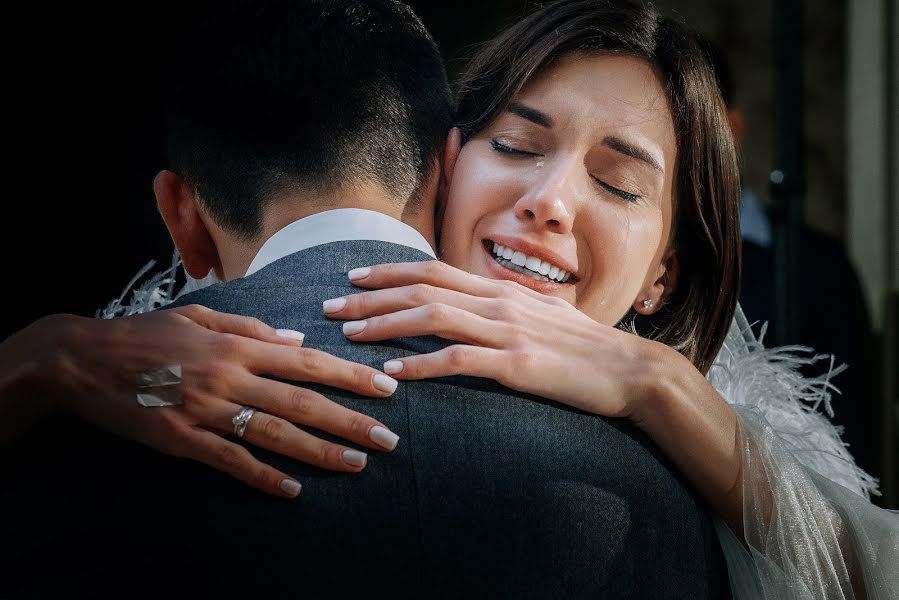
(89,366)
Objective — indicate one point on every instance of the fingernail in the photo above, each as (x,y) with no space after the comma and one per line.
(355,458)
(333,305)
(392,367)
(383,437)
(360,273)
(290,334)
(385,383)
(353,327)
(291,487)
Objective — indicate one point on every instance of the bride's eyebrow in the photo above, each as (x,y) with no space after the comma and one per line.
(632,150)
(531,114)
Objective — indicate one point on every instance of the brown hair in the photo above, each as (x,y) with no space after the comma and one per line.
(705,232)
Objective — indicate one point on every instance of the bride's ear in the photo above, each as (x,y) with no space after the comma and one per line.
(450,155)
(660,287)
(179,206)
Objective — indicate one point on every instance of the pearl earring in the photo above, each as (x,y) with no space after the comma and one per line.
(647,304)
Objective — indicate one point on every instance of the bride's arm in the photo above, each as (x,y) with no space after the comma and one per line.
(543,345)
(696,428)
(799,539)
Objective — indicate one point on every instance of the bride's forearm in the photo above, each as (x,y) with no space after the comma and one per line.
(29,360)
(697,430)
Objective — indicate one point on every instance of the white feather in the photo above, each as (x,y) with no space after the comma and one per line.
(768,381)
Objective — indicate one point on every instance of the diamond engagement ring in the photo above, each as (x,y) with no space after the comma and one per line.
(242,419)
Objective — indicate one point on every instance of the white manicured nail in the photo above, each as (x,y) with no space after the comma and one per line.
(289,486)
(383,437)
(354,327)
(355,458)
(333,305)
(385,383)
(360,273)
(392,367)
(290,334)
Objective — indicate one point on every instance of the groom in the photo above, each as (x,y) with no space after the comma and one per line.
(306,140)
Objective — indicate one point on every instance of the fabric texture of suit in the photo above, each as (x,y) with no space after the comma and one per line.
(490,493)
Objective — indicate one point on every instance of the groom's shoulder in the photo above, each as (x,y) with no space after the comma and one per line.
(314,271)
(288,293)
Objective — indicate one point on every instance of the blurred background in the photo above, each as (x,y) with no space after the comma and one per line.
(814,93)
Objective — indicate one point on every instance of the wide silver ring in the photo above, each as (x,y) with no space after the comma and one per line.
(242,419)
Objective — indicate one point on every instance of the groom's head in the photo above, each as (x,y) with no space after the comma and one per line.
(282,108)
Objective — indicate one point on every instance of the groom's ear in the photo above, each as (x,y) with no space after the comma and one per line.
(179,206)
(450,155)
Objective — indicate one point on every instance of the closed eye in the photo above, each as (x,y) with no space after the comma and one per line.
(618,192)
(504,149)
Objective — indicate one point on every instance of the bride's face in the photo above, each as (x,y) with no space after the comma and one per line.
(575,177)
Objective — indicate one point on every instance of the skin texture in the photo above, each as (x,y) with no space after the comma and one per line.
(556,199)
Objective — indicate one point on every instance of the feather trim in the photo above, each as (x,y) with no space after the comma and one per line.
(154,293)
(768,381)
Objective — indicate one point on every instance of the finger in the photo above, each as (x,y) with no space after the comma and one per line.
(278,435)
(240,325)
(299,405)
(441,320)
(431,272)
(438,274)
(306,364)
(457,359)
(235,460)
(389,300)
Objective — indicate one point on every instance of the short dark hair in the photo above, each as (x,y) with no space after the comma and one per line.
(706,232)
(279,96)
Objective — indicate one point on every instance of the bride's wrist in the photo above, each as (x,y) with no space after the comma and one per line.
(660,382)
(33,372)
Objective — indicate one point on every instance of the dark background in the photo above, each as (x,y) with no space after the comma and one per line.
(85,118)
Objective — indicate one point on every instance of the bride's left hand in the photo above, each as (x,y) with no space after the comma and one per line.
(505,331)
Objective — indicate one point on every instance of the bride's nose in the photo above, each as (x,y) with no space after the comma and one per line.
(549,204)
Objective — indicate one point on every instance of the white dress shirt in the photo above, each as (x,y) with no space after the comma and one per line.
(338,225)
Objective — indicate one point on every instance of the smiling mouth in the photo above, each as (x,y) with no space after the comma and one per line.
(531,266)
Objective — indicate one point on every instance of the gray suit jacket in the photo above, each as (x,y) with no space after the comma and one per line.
(491,493)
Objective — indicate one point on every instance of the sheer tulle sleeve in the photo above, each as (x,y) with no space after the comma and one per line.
(810,530)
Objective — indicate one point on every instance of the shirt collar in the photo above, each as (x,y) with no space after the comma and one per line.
(338,225)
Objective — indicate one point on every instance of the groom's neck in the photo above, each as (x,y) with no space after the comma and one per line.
(236,254)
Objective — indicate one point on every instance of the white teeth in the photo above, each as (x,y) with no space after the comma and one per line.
(544,268)
(520,262)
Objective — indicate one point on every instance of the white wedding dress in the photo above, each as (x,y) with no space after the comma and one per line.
(810,530)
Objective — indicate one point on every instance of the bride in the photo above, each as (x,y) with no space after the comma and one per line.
(590,192)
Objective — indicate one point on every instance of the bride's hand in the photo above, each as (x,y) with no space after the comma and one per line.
(507,332)
(89,366)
